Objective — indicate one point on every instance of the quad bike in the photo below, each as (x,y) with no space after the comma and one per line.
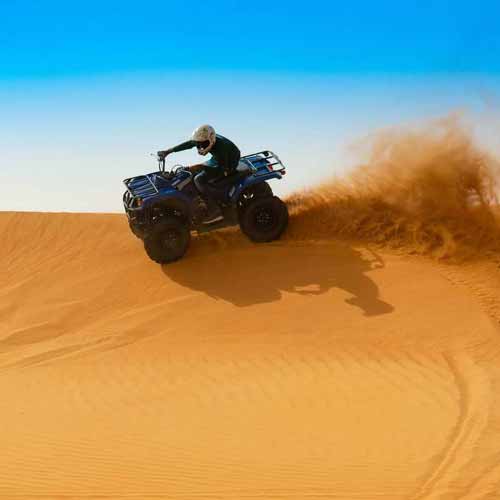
(163,207)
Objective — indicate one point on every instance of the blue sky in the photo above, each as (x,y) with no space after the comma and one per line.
(48,38)
(87,89)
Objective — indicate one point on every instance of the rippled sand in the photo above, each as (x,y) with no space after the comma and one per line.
(289,370)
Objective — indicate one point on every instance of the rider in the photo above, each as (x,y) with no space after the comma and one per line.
(224,160)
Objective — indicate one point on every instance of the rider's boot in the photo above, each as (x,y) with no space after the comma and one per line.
(214,213)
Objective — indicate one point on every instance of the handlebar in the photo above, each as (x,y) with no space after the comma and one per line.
(161,161)
(161,165)
(176,168)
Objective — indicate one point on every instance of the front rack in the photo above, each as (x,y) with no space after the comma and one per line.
(140,185)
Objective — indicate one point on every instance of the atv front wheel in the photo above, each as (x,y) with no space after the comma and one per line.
(168,240)
(264,219)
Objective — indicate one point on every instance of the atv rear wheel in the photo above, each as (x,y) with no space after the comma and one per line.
(168,240)
(260,190)
(264,219)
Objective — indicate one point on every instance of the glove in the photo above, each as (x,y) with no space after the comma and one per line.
(163,154)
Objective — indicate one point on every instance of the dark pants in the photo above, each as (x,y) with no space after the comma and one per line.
(209,189)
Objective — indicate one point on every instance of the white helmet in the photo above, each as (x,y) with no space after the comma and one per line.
(204,136)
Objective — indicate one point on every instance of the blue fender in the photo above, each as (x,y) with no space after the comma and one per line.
(235,192)
(171,198)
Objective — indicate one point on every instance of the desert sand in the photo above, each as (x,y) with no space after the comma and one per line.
(357,358)
(313,369)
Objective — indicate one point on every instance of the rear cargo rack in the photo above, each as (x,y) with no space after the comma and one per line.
(263,159)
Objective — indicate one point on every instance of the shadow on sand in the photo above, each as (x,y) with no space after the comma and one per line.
(253,274)
(240,273)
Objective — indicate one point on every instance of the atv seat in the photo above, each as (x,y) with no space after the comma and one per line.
(244,166)
(242,170)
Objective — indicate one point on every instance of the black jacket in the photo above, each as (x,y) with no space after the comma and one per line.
(225,153)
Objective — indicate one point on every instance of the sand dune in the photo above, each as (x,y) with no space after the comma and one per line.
(300,369)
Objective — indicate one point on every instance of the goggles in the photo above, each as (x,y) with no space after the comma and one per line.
(202,144)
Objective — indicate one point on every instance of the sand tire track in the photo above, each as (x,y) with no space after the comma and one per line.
(474,395)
